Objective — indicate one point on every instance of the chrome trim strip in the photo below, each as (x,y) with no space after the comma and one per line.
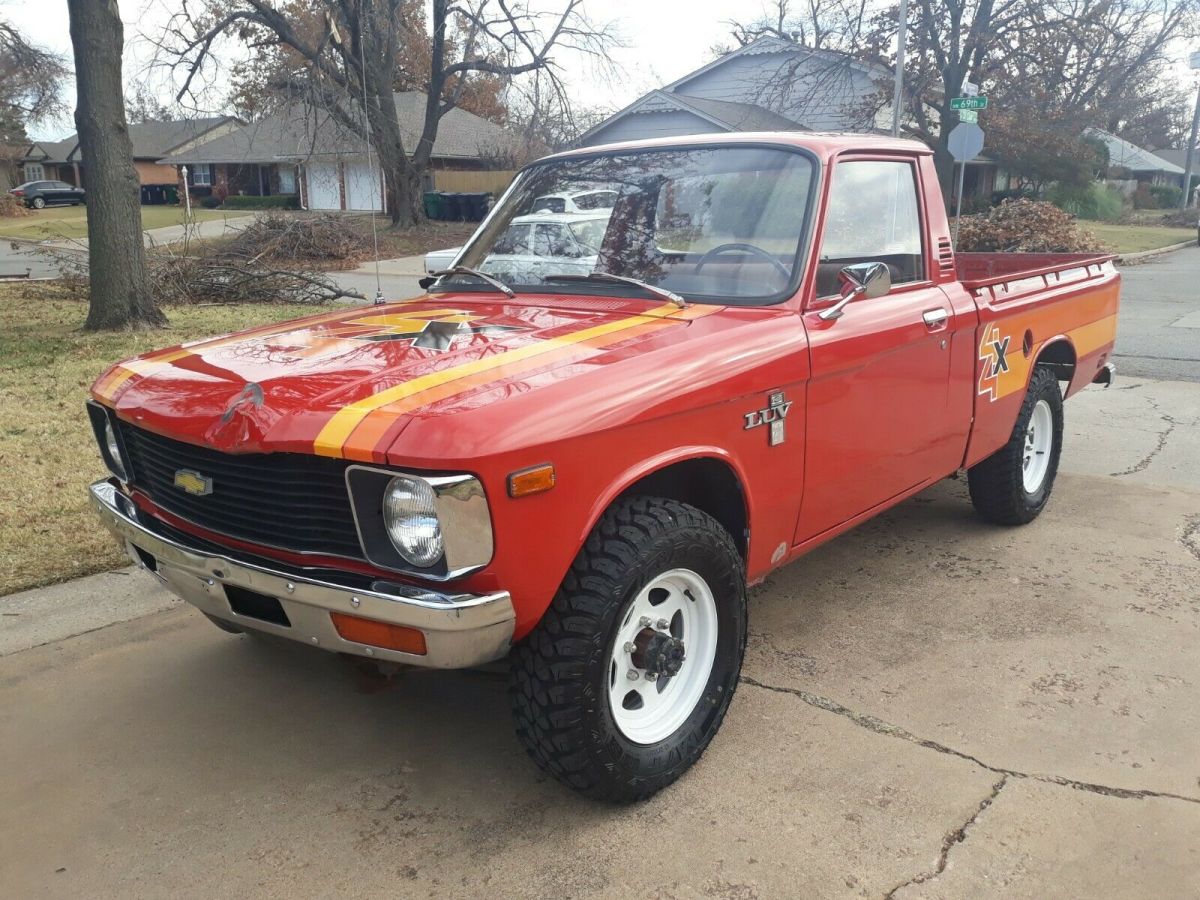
(460,629)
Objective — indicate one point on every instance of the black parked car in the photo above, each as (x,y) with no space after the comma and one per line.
(47,193)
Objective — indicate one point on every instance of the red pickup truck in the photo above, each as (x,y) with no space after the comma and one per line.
(577,451)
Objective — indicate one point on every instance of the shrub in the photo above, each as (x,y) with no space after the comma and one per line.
(11,207)
(277,201)
(210,202)
(1096,201)
(1025,226)
(1142,198)
(1167,196)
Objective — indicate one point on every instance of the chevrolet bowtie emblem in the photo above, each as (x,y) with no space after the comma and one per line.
(193,482)
(437,329)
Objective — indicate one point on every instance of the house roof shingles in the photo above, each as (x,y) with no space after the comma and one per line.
(151,140)
(1132,157)
(296,134)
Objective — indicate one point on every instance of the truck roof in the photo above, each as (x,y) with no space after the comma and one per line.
(823,143)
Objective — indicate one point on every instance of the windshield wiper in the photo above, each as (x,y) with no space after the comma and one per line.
(467,270)
(622,279)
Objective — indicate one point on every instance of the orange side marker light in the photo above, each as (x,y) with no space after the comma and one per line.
(379,634)
(534,480)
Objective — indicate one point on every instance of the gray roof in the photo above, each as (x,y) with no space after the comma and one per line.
(1132,157)
(150,140)
(737,116)
(298,133)
(1178,156)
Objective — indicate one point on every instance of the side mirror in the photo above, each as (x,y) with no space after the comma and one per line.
(867,280)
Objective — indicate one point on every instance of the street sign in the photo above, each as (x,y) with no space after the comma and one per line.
(970,88)
(968,103)
(968,115)
(966,141)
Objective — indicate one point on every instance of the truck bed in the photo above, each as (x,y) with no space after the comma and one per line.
(982,270)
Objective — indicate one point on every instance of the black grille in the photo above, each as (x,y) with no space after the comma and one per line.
(291,501)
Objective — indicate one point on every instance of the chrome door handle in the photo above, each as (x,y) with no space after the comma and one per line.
(934,317)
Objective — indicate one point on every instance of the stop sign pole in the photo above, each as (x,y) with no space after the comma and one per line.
(965,143)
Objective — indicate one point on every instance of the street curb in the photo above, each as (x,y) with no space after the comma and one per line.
(1143,255)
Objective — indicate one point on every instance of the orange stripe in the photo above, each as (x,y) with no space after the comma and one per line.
(364,443)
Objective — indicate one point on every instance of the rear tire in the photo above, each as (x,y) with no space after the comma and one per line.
(38,203)
(655,579)
(1013,485)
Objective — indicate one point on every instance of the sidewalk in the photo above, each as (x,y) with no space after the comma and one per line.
(397,278)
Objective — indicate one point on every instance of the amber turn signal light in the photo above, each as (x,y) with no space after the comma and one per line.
(379,634)
(535,480)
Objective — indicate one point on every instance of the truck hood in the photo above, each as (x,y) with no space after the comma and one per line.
(347,383)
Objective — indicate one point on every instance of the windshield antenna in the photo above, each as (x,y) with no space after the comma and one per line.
(362,58)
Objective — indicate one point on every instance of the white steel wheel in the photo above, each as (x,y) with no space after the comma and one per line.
(662,656)
(1039,440)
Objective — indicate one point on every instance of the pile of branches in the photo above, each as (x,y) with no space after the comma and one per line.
(11,207)
(1025,226)
(317,240)
(196,273)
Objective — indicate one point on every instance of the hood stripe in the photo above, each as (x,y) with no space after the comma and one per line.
(336,433)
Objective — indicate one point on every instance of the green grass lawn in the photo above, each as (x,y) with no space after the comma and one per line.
(1132,238)
(48,532)
(71,221)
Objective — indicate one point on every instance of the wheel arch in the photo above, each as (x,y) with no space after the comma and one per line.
(707,478)
(1058,354)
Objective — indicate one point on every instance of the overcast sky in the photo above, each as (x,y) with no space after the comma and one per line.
(663,40)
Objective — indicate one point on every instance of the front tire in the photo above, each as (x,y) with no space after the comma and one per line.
(1013,485)
(626,679)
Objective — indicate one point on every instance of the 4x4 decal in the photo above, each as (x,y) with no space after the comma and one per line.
(993,357)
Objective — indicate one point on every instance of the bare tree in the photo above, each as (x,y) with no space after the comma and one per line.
(348,51)
(31,81)
(119,295)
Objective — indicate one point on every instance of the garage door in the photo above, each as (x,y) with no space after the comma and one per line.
(362,187)
(324,191)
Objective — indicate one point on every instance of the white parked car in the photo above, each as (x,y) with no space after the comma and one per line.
(538,244)
(577,203)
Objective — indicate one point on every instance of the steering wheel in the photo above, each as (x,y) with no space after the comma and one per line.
(743,248)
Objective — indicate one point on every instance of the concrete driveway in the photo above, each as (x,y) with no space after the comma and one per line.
(931,707)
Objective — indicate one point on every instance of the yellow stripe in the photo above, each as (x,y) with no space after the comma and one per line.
(338,429)
(1090,338)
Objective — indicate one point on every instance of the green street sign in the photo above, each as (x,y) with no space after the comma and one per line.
(968,115)
(968,103)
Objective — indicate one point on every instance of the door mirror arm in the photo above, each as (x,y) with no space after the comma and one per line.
(867,280)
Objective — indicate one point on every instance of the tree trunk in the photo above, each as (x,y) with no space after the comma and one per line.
(119,293)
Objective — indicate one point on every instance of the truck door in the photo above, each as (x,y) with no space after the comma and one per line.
(878,412)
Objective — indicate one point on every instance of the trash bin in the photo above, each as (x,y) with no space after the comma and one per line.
(477,206)
(452,203)
(434,207)
(172,191)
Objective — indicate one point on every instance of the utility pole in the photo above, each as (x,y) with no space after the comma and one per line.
(901,46)
(1194,61)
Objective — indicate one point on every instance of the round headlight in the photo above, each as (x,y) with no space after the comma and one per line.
(114,451)
(410,516)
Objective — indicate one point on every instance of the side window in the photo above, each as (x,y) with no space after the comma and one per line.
(514,241)
(553,240)
(872,217)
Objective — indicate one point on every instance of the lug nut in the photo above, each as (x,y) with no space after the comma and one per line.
(632,675)
(662,624)
(629,647)
(651,676)
(644,621)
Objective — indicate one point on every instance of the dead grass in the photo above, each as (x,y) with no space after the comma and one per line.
(417,241)
(47,452)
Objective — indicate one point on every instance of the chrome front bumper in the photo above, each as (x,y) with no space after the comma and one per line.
(460,630)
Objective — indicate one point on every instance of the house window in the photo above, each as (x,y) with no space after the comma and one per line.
(201,174)
(287,180)
(34,172)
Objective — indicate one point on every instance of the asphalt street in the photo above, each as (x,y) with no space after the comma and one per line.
(1159,333)
(931,707)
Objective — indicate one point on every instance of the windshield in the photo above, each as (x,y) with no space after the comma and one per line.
(722,224)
